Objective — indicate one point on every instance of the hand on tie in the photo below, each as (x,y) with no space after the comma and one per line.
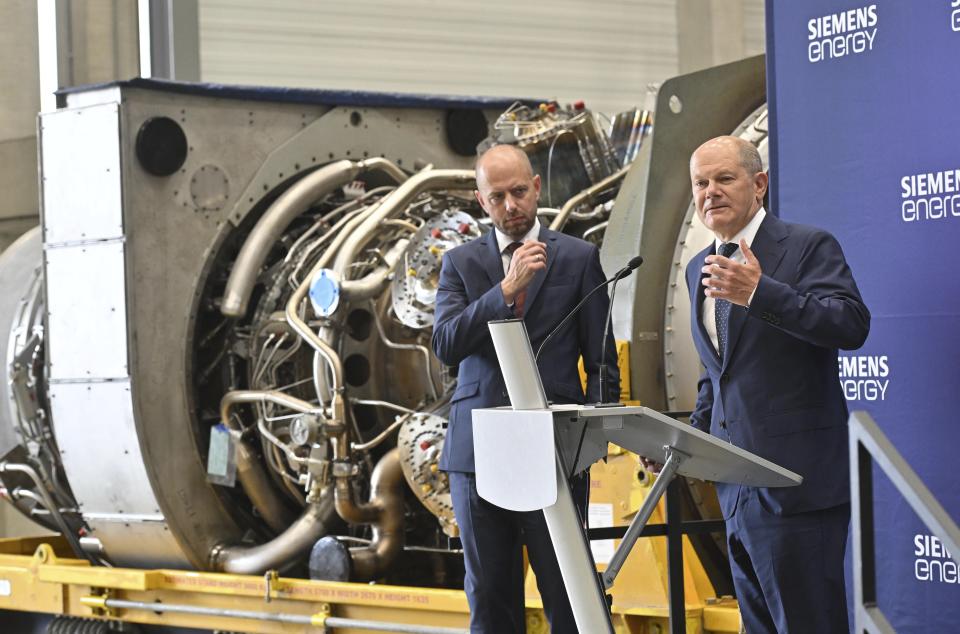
(730,280)
(527,260)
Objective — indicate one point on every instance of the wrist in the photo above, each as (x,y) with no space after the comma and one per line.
(509,293)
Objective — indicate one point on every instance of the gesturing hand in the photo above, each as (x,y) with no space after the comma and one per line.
(732,281)
(529,259)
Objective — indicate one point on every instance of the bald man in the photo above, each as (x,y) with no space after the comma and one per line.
(518,270)
(772,302)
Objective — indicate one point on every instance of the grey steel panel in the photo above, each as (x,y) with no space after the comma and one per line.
(147,544)
(80,168)
(93,423)
(86,303)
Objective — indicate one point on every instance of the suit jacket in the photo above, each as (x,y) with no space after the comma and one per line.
(777,391)
(469,295)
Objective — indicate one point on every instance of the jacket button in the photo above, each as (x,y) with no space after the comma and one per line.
(724,377)
(723,424)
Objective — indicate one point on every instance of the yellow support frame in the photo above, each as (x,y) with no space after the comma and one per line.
(45,582)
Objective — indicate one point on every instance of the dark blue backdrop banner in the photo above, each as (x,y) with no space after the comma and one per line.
(866,144)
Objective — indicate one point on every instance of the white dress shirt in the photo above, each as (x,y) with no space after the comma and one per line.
(503,241)
(747,234)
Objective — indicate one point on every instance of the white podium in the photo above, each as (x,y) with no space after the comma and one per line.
(526,453)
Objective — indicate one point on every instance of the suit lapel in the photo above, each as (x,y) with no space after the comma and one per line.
(699,297)
(490,258)
(549,238)
(769,251)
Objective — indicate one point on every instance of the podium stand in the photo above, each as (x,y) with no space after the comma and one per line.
(526,453)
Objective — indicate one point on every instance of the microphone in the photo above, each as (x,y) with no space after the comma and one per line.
(619,275)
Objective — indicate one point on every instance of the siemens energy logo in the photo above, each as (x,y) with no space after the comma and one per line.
(955,15)
(930,196)
(841,34)
(933,562)
(864,377)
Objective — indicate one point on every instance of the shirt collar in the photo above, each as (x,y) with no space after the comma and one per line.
(503,240)
(748,233)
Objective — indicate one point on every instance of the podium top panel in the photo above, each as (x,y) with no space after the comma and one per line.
(647,432)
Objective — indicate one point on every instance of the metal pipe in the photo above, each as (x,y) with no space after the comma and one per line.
(40,508)
(367,446)
(405,346)
(278,217)
(586,194)
(384,511)
(322,348)
(374,283)
(320,620)
(48,502)
(346,209)
(395,203)
(285,550)
(256,483)
(319,344)
(674,459)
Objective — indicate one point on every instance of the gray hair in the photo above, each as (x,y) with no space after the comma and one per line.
(750,158)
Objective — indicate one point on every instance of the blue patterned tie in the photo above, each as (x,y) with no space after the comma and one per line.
(721,307)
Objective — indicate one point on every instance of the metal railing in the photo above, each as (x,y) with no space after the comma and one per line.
(869,446)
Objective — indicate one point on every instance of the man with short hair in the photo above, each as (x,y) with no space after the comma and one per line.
(518,270)
(771,302)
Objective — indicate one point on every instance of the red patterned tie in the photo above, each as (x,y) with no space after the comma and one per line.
(521,297)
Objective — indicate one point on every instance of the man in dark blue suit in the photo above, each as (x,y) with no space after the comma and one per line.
(771,302)
(517,270)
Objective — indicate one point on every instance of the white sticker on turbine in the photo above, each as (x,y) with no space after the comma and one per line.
(601,516)
(5,589)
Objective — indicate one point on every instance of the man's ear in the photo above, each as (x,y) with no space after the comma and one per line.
(536,185)
(761,181)
(480,199)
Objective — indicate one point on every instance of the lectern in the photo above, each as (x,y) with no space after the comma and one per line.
(526,453)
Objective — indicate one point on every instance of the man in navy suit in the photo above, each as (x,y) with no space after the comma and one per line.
(519,269)
(771,304)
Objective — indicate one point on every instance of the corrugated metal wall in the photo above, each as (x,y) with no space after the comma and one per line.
(754,28)
(604,51)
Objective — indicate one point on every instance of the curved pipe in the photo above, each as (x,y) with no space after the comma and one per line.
(347,245)
(269,229)
(287,549)
(322,348)
(256,483)
(384,511)
(374,283)
(589,192)
(395,203)
(30,472)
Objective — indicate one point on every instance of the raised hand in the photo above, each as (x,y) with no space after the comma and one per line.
(730,280)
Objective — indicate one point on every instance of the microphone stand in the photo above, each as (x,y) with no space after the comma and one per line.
(607,326)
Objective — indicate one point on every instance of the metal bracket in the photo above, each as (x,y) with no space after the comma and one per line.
(674,459)
(270,577)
